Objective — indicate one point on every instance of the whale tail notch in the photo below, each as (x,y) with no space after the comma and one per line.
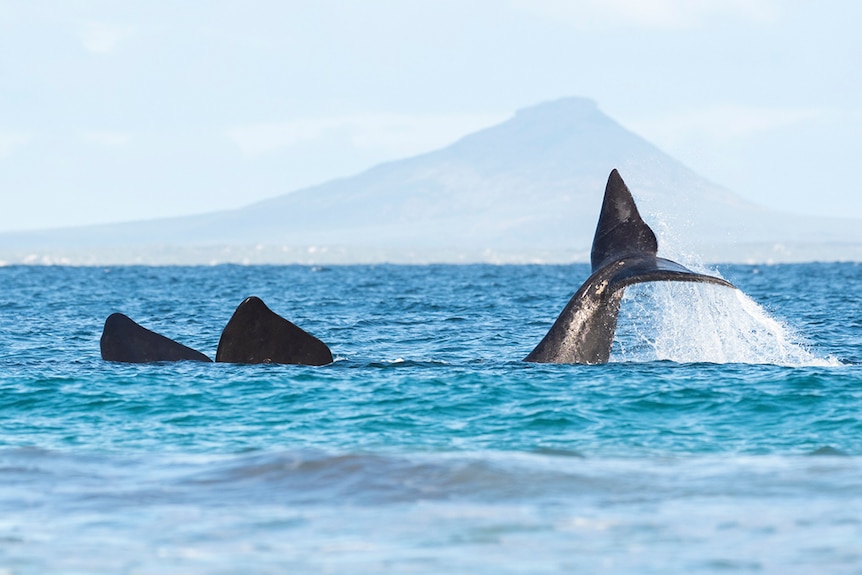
(623,253)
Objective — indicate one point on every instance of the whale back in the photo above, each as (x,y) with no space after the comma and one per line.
(124,340)
(256,334)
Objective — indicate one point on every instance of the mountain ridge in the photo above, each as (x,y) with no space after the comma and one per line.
(527,189)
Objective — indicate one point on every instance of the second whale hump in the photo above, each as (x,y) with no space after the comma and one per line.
(256,334)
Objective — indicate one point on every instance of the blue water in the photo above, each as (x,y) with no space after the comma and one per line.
(724,436)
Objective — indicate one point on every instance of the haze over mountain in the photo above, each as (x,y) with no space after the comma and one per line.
(528,189)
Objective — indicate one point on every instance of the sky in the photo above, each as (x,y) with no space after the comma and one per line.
(117,111)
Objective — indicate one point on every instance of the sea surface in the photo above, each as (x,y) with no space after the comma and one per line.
(725,436)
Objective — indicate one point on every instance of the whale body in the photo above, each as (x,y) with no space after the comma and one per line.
(623,253)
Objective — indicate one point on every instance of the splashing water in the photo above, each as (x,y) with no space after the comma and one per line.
(697,322)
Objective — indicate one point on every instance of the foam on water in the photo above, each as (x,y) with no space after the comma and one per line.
(696,322)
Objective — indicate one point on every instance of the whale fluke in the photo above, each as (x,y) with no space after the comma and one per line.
(256,334)
(620,230)
(125,341)
(623,253)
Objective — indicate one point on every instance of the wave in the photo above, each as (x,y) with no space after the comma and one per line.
(106,481)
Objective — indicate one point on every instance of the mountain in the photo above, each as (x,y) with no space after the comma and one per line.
(528,189)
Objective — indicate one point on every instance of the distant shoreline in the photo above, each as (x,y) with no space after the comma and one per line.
(261,254)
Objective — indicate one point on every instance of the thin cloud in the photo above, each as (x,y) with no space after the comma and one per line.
(391,134)
(723,124)
(107,139)
(101,37)
(10,141)
(655,14)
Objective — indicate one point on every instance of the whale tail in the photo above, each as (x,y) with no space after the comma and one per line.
(623,253)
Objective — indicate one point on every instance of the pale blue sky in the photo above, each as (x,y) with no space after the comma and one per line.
(113,111)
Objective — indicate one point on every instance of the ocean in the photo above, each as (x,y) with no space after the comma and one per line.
(725,436)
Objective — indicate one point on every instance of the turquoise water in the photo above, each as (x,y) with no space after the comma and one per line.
(725,436)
